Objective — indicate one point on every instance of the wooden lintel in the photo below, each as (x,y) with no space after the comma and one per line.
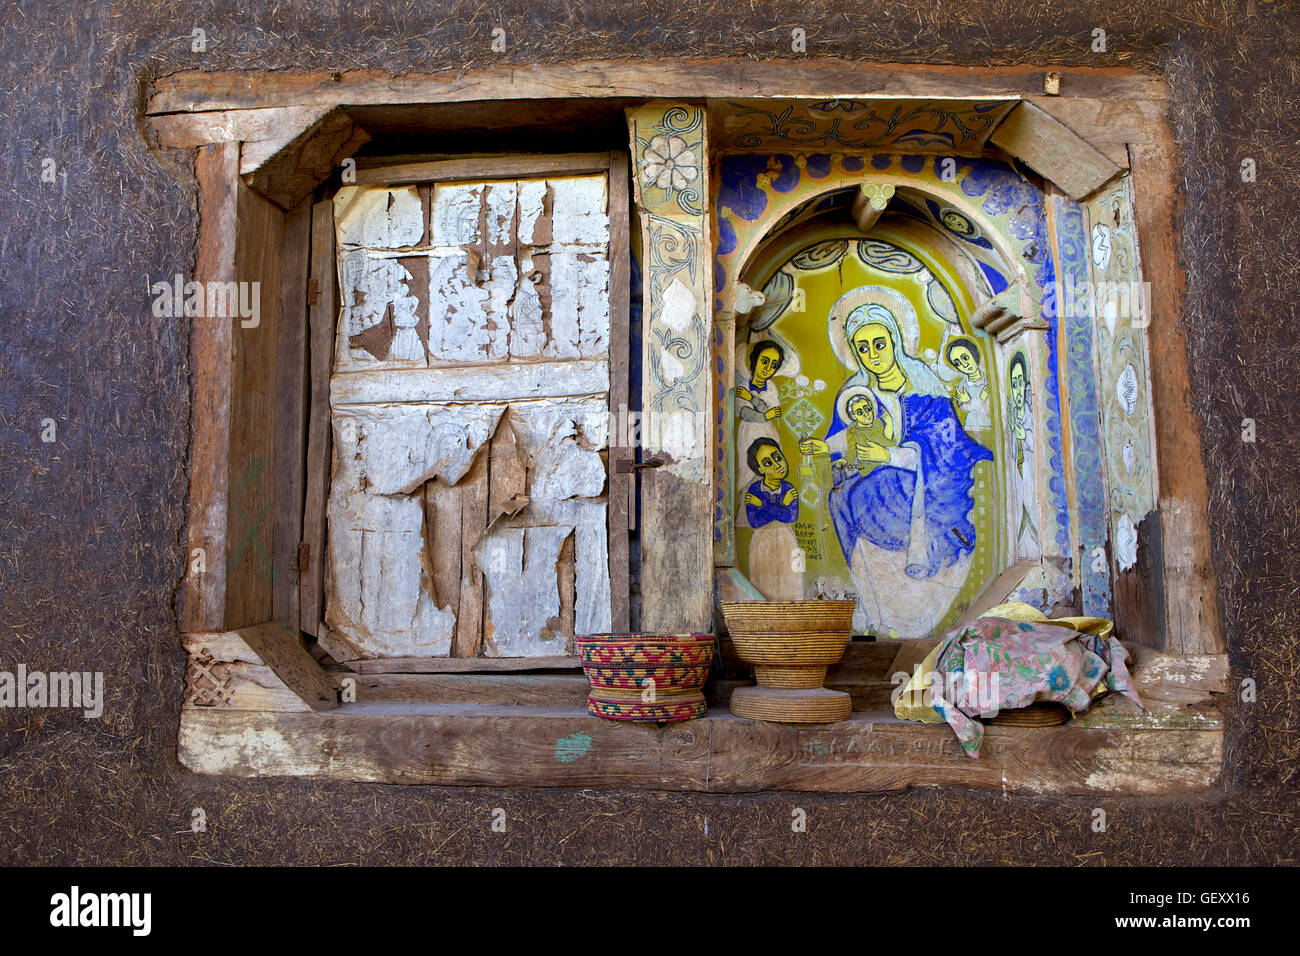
(1048,147)
(685,78)
(267,661)
(502,167)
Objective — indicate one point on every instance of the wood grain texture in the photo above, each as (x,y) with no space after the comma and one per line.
(442,512)
(461,665)
(257,130)
(514,690)
(468,745)
(676,554)
(1050,149)
(1192,617)
(468,639)
(621,484)
(503,167)
(291,393)
(204,598)
(322,312)
(289,176)
(686,78)
(273,659)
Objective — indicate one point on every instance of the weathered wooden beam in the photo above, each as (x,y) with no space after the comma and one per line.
(492,689)
(291,396)
(461,665)
(619,500)
(253,414)
(204,599)
(500,382)
(1045,145)
(289,176)
(1192,615)
(322,314)
(262,132)
(264,667)
(669,145)
(684,78)
(468,745)
(502,167)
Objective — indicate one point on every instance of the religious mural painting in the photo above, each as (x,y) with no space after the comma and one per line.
(877,444)
(888,440)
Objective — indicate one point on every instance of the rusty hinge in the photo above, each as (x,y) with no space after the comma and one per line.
(313,292)
(304,557)
(626,466)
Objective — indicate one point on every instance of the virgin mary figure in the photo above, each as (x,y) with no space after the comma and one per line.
(903,525)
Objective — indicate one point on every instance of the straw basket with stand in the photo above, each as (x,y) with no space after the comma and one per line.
(790,644)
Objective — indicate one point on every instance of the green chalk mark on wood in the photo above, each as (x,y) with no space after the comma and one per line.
(570,748)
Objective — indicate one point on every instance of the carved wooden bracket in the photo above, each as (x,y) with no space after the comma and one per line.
(264,667)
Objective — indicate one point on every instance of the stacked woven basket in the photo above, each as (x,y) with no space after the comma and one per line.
(646,677)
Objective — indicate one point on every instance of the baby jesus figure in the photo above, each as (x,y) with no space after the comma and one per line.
(864,435)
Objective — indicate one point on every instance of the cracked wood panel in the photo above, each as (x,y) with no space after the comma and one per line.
(1121,311)
(469,404)
(473,272)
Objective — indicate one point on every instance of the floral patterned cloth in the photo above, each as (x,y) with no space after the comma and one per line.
(1013,656)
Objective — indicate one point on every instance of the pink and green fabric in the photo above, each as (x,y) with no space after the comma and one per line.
(1000,664)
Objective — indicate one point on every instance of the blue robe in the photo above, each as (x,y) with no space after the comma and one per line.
(771,509)
(878,506)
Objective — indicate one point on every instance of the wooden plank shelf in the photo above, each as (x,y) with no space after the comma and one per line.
(494,745)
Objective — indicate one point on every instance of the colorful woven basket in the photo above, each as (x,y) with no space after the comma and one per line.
(646,677)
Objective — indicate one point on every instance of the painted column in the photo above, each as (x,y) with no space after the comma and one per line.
(1081,415)
(669,148)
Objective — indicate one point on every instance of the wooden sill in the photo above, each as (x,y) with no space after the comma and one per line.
(501,745)
(529,729)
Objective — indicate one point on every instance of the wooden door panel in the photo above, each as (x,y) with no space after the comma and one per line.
(470,407)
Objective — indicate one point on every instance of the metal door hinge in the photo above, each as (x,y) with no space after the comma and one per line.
(627,465)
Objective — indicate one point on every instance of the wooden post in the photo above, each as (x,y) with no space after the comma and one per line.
(670,171)
(291,412)
(322,308)
(620,483)
(217,170)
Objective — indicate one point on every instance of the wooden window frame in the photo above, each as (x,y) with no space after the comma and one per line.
(258,703)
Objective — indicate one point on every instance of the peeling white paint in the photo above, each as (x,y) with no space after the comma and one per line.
(379,217)
(580,211)
(516,270)
(400,447)
(1126,542)
(562,442)
(519,568)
